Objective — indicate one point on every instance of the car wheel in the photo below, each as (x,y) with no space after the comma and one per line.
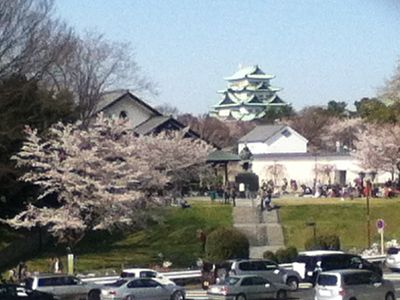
(293,283)
(94,295)
(281,295)
(130,297)
(205,284)
(240,297)
(389,296)
(177,296)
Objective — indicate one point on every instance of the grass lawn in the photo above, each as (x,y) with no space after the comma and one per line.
(175,238)
(347,219)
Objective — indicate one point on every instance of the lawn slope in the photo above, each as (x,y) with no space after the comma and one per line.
(174,238)
(346,218)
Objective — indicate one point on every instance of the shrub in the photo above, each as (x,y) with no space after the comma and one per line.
(286,255)
(323,242)
(226,243)
(270,255)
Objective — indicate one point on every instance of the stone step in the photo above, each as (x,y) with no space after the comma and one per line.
(271,216)
(258,251)
(246,215)
(275,235)
(256,234)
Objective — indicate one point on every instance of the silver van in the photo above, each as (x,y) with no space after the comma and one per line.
(266,269)
(353,284)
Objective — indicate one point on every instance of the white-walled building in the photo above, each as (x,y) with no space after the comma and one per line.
(281,152)
(273,139)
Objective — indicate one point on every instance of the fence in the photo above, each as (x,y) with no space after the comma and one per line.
(192,274)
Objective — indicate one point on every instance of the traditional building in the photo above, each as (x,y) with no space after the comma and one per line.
(143,118)
(248,96)
(279,152)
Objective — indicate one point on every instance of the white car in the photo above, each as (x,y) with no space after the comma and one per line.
(392,260)
(146,273)
(352,284)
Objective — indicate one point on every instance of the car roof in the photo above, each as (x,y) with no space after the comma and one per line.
(320,252)
(345,271)
(49,275)
(244,276)
(132,270)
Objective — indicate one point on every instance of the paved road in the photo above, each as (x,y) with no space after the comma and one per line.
(303,293)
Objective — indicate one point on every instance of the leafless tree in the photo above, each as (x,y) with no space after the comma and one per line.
(94,66)
(312,123)
(391,90)
(168,109)
(30,39)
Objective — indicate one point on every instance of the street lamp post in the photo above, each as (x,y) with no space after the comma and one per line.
(368,195)
(314,226)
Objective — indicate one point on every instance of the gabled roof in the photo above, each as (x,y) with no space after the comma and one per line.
(111,97)
(157,123)
(252,72)
(263,133)
(222,156)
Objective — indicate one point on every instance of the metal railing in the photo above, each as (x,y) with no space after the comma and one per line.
(176,275)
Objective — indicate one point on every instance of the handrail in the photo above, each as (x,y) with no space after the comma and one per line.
(197,273)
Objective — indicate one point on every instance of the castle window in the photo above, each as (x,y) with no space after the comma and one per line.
(286,133)
(123,115)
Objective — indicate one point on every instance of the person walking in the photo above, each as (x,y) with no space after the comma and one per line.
(233,195)
(226,194)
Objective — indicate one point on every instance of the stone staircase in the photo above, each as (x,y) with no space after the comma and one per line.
(261,228)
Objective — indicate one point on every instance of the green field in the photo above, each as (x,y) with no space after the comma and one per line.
(347,219)
(175,237)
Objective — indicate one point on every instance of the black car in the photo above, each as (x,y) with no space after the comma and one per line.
(310,264)
(14,292)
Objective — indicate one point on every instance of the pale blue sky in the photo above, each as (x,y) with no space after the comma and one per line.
(318,50)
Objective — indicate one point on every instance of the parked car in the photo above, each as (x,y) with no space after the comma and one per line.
(353,284)
(310,263)
(141,289)
(145,273)
(15,292)
(261,267)
(392,260)
(267,269)
(63,286)
(247,287)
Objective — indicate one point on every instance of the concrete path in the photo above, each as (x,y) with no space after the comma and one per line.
(261,228)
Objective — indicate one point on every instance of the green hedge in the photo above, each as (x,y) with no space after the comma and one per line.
(323,242)
(226,243)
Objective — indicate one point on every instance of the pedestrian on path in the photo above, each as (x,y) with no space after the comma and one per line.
(233,195)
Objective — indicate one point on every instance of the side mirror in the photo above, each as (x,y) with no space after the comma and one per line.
(267,285)
(377,284)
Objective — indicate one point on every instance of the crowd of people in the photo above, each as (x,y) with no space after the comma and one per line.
(20,272)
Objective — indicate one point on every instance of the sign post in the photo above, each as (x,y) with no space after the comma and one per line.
(380,225)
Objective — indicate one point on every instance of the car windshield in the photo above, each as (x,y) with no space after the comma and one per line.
(231,280)
(117,283)
(327,280)
(392,251)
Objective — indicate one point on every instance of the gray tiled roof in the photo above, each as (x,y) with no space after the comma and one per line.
(261,133)
(150,124)
(300,155)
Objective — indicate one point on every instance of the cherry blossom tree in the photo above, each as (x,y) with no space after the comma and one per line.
(277,171)
(344,131)
(101,176)
(326,170)
(378,147)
